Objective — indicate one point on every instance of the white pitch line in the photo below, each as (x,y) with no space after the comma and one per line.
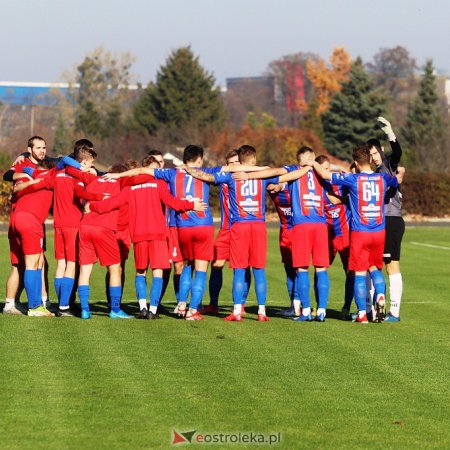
(431,245)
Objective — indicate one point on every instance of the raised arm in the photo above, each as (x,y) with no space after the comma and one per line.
(200,174)
(395,156)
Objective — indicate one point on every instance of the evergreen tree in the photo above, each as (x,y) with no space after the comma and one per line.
(60,141)
(353,113)
(183,102)
(424,131)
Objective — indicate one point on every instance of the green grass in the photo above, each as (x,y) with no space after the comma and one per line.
(99,384)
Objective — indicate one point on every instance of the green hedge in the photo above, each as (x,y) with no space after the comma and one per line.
(426,194)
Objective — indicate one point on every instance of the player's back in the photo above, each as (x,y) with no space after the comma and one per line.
(67,208)
(308,199)
(283,206)
(98,185)
(186,187)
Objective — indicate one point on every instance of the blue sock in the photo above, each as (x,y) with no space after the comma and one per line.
(323,288)
(247,284)
(155,291)
(140,283)
(302,282)
(260,285)
(360,292)
(238,286)
(378,283)
(83,294)
(185,283)
(198,289)
(29,281)
(115,293)
(215,285)
(66,291)
(290,280)
(39,287)
(316,290)
(349,289)
(57,283)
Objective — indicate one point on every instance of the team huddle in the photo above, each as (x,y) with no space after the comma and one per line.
(165,214)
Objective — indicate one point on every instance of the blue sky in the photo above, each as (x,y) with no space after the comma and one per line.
(42,39)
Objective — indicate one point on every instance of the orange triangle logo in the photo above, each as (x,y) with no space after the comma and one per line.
(178,438)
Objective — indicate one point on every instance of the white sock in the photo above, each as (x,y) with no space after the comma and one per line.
(297,306)
(153,309)
(44,301)
(262,309)
(237,310)
(395,293)
(306,311)
(10,302)
(361,313)
(321,311)
(142,303)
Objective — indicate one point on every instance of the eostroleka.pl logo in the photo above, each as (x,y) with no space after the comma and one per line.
(195,437)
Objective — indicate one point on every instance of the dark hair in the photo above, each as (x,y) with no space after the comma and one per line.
(231,153)
(149,160)
(245,152)
(353,166)
(361,154)
(374,143)
(302,150)
(118,168)
(46,164)
(84,146)
(322,158)
(34,138)
(192,153)
(154,152)
(132,164)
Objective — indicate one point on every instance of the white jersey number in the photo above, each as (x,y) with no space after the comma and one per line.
(249,188)
(370,190)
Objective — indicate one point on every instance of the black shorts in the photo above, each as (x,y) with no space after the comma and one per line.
(395,228)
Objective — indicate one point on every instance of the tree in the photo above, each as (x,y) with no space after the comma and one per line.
(293,87)
(424,131)
(352,116)
(102,96)
(393,69)
(183,103)
(60,140)
(326,80)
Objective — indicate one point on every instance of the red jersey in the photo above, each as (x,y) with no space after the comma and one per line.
(67,206)
(37,199)
(17,168)
(100,186)
(146,212)
(124,215)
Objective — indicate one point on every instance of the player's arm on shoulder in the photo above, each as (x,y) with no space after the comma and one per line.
(200,174)
(243,168)
(24,184)
(109,204)
(294,174)
(396,155)
(319,169)
(129,173)
(242,174)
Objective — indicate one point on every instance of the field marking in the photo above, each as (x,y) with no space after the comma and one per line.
(430,245)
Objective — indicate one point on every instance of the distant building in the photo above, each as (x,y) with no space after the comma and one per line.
(31,93)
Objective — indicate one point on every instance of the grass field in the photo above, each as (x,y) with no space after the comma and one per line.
(100,383)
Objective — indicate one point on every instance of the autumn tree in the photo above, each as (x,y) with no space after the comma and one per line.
(351,118)
(184,103)
(327,80)
(292,85)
